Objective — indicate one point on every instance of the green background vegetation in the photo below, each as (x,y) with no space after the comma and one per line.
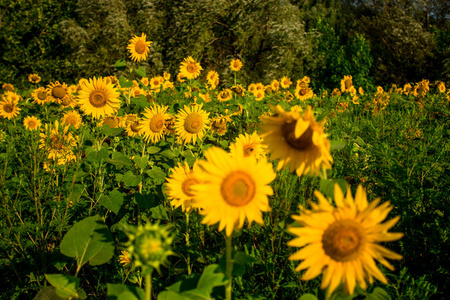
(377,42)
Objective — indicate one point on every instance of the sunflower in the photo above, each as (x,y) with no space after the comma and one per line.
(59,143)
(9,109)
(302,91)
(238,89)
(98,98)
(191,123)
(156,82)
(248,145)
(285,82)
(57,91)
(71,118)
(180,77)
(212,79)
(32,123)
(346,83)
(225,95)
(259,95)
(219,124)
(8,87)
(343,241)
(133,128)
(297,139)
(139,47)
(179,183)
(111,121)
(153,124)
(233,189)
(190,68)
(441,87)
(275,84)
(166,76)
(236,65)
(125,258)
(34,78)
(252,87)
(11,97)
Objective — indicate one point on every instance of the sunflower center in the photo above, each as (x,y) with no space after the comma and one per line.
(97,98)
(301,143)
(71,120)
(191,68)
(186,186)
(193,123)
(140,47)
(42,95)
(8,108)
(135,127)
(238,188)
(34,78)
(157,123)
(111,122)
(57,142)
(59,92)
(303,91)
(66,101)
(342,240)
(348,83)
(32,124)
(248,150)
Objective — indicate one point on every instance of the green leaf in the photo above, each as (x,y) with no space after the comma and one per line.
(171,295)
(130,179)
(121,291)
(168,153)
(97,156)
(157,174)
(378,294)
(141,161)
(337,145)
(211,277)
(76,192)
(141,72)
(142,101)
(308,296)
(125,83)
(153,150)
(47,293)
(326,186)
(106,130)
(120,64)
(159,212)
(145,201)
(88,241)
(65,286)
(113,202)
(119,159)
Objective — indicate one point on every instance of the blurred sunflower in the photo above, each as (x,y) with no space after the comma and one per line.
(111,121)
(285,82)
(98,98)
(343,241)
(346,83)
(57,91)
(302,91)
(179,183)
(11,96)
(180,77)
(275,84)
(238,89)
(9,109)
(297,139)
(441,87)
(212,79)
(153,123)
(224,95)
(32,123)
(34,78)
(191,124)
(58,142)
(133,128)
(252,88)
(248,145)
(71,118)
(232,189)
(8,87)
(190,68)
(236,65)
(166,76)
(139,47)
(125,258)
(259,95)
(219,124)
(40,96)
(156,82)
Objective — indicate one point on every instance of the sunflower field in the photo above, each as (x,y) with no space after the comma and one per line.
(198,184)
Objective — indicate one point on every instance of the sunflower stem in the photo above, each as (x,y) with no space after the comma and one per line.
(188,259)
(229,268)
(148,286)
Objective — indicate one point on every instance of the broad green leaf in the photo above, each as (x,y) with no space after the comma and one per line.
(157,174)
(145,201)
(119,159)
(378,294)
(125,83)
(153,149)
(113,201)
(76,192)
(168,153)
(326,186)
(47,293)
(120,64)
(171,295)
(308,296)
(211,277)
(337,145)
(159,212)
(65,286)
(121,291)
(141,72)
(141,161)
(106,130)
(130,179)
(88,241)
(142,101)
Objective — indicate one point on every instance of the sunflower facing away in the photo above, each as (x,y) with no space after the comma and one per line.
(248,145)
(139,47)
(233,189)
(191,124)
(297,139)
(31,123)
(153,123)
(190,68)
(98,98)
(179,183)
(343,241)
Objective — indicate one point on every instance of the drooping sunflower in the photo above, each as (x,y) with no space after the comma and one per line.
(236,65)
(153,124)
(224,95)
(190,68)
(248,145)
(233,189)
(179,183)
(9,109)
(238,89)
(32,123)
(98,98)
(191,124)
(346,83)
(71,118)
(343,241)
(139,47)
(34,78)
(57,91)
(297,139)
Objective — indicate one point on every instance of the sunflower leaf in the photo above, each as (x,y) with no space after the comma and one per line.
(65,286)
(141,72)
(121,64)
(121,291)
(125,83)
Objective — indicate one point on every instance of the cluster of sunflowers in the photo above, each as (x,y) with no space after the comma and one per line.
(231,188)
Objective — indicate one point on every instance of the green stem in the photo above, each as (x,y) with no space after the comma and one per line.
(229,269)
(188,259)
(148,286)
